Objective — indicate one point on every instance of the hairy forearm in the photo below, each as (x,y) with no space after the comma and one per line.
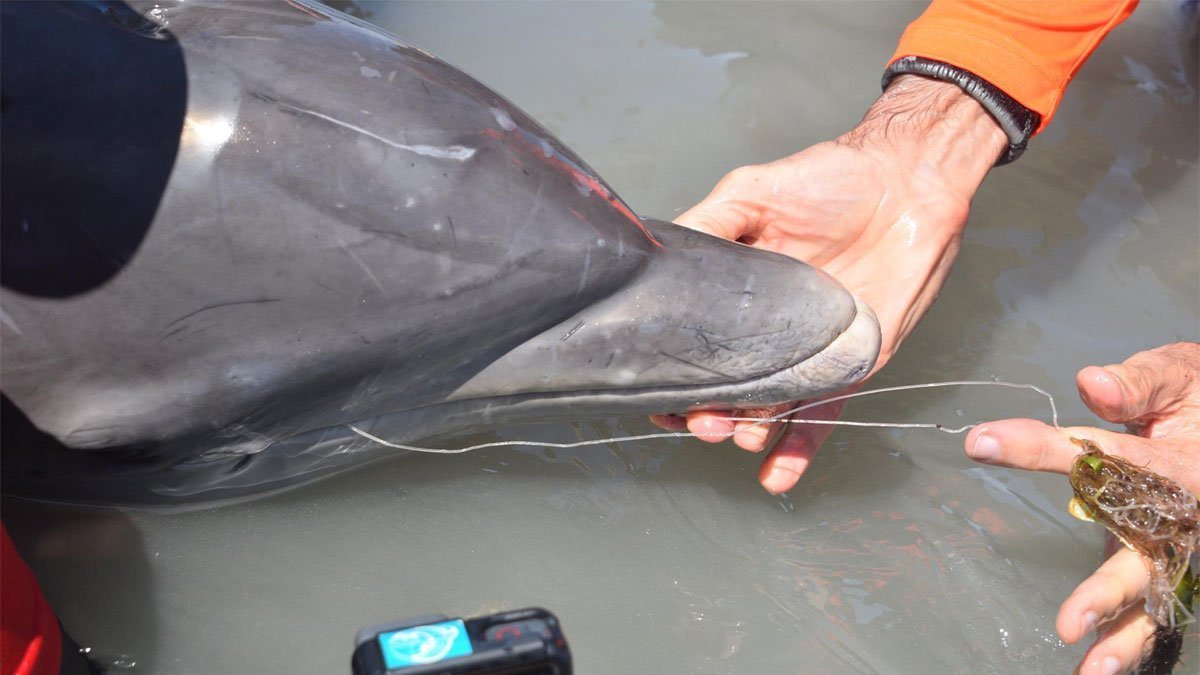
(934,131)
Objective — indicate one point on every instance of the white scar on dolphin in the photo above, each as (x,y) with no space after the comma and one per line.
(784,417)
(457,153)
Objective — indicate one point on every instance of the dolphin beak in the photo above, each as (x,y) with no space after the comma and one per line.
(706,324)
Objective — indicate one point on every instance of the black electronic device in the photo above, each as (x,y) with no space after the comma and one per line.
(520,642)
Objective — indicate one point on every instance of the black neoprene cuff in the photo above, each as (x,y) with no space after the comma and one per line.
(1017,121)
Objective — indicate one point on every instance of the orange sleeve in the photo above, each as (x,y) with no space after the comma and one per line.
(1029,49)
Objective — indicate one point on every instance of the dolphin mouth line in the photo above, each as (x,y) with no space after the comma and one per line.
(801,380)
(844,361)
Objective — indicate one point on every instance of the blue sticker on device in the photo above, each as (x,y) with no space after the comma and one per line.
(425,644)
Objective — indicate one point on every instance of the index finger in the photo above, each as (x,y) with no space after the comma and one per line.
(1035,446)
(1023,444)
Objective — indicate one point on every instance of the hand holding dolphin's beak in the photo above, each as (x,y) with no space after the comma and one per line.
(882,209)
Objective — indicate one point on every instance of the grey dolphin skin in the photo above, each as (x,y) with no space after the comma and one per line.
(231,231)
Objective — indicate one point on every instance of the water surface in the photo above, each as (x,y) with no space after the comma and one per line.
(894,555)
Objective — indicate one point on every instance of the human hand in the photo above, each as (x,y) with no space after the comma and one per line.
(882,209)
(1156,394)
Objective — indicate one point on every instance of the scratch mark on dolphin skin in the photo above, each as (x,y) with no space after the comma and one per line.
(482,280)
(249,37)
(113,258)
(389,234)
(695,365)
(453,234)
(365,390)
(370,274)
(703,336)
(725,342)
(587,266)
(219,193)
(571,332)
(582,218)
(457,153)
(539,146)
(7,321)
(425,87)
(537,197)
(333,290)
(220,305)
(178,330)
(183,330)
(735,292)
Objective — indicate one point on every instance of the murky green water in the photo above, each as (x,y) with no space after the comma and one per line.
(895,554)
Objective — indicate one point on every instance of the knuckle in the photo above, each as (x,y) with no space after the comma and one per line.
(749,173)
(1185,351)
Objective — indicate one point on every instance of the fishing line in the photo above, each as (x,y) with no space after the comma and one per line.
(899,425)
(784,417)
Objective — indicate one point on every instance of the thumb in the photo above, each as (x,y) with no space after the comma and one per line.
(726,212)
(1147,385)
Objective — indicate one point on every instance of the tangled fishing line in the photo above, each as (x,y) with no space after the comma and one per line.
(783,417)
(1136,506)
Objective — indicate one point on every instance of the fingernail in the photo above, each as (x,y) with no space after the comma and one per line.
(1111,665)
(985,448)
(1089,621)
(780,480)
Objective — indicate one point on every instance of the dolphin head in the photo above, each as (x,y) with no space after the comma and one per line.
(341,230)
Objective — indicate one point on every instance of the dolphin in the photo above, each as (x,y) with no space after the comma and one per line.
(231,232)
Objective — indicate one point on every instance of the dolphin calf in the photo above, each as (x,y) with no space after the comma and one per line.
(231,231)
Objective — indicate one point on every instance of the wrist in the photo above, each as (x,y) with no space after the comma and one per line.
(934,132)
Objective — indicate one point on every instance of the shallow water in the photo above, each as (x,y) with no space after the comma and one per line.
(895,554)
